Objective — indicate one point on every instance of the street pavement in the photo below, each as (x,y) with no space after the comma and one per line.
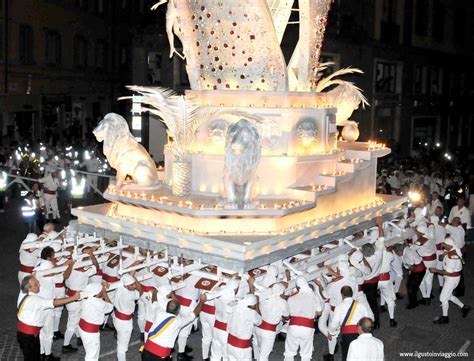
(415,331)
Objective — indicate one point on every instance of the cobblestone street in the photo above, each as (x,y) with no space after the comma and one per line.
(415,331)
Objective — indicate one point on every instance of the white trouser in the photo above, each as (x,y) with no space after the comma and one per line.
(22,275)
(450,283)
(58,293)
(299,337)
(91,180)
(51,205)
(427,282)
(47,332)
(91,342)
(207,324)
(323,323)
(387,295)
(124,332)
(141,314)
(439,265)
(219,345)
(73,317)
(265,340)
(185,332)
(397,281)
(239,354)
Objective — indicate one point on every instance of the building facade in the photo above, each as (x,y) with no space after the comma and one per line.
(63,63)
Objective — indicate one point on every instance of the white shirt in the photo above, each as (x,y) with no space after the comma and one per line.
(124,300)
(32,310)
(361,310)
(333,290)
(365,348)
(50,183)
(396,266)
(93,310)
(78,280)
(463,213)
(433,205)
(452,263)
(167,338)
(387,259)
(189,291)
(273,309)
(457,234)
(427,248)
(242,322)
(304,305)
(29,258)
(410,257)
(375,261)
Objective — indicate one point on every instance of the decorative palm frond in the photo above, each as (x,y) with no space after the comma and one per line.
(182,115)
(343,88)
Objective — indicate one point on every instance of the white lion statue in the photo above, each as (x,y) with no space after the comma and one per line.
(126,155)
(242,156)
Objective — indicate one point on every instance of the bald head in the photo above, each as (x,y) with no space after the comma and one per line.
(365,325)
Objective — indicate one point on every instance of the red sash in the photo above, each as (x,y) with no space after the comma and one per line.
(148,325)
(208,309)
(420,267)
(384,276)
(89,327)
(70,292)
(429,258)
(99,273)
(301,321)
(268,326)
(27,329)
(26,269)
(59,285)
(439,246)
(186,302)
(372,280)
(349,329)
(454,274)
(238,342)
(157,350)
(220,325)
(147,288)
(47,191)
(110,279)
(122,316)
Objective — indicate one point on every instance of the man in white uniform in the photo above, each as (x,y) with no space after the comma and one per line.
(28,256)
(461,211)
(452,266)
(165,329)
(304,308)
(366,347)
(31,315)
(219,333)
(50,193)
(433,204)
(426,248)
(48,286)
(77,282)
(273,311)
(93,310)
(345,318)
(124,307)
(245,316)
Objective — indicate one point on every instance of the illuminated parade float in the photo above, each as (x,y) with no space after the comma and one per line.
(255,169)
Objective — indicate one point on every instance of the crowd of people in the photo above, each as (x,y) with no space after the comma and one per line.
(241,317)
(53,179)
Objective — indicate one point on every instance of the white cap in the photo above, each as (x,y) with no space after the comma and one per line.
(127,280)
(422,229)
(44,265)
(92,289)
(30,237)
(56,245)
